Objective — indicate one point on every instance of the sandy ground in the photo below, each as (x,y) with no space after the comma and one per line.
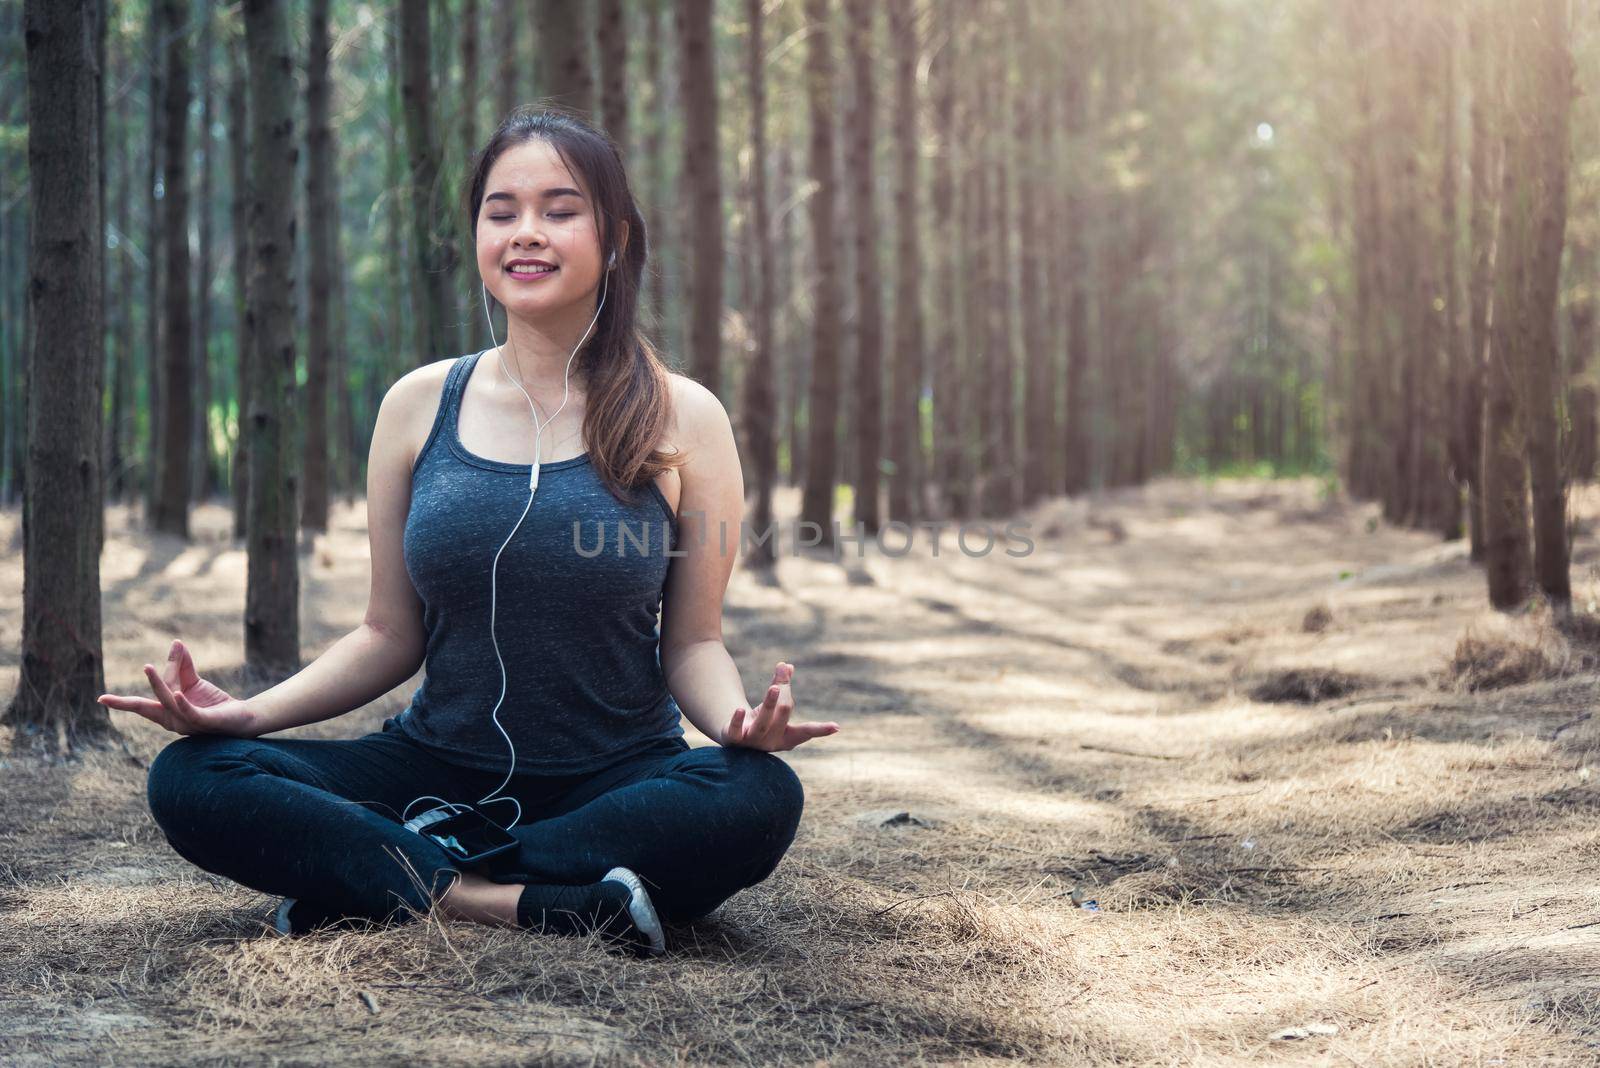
(1402,873)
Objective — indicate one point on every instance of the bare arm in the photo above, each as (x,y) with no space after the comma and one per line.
(700,672)
(387,648)
(357,669)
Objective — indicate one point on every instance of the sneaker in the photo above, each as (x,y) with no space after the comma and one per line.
(640,910)
(617,907)
(281,921)
(296,917)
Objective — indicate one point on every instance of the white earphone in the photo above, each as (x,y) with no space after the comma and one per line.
(533,485)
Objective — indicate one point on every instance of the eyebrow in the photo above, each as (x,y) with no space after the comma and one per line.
(561,191)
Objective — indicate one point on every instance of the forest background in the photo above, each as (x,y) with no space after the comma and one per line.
(1136,271)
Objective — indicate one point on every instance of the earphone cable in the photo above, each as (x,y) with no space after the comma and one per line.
(495,796)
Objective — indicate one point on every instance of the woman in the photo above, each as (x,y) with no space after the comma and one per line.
(485,570)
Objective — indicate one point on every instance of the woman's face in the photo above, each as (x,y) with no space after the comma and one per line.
(536,215)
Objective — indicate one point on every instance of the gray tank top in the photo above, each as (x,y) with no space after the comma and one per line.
(576,608)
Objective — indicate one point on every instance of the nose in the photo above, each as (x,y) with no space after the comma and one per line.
(528,233)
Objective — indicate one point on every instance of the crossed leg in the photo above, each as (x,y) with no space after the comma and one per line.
(319,820)
(311,819)
(697,826)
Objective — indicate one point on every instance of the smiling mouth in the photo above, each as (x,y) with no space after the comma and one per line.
(531,269)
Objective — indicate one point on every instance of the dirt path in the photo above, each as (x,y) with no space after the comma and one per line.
(1402,872)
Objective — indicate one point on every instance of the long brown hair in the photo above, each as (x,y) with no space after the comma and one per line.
(629,406)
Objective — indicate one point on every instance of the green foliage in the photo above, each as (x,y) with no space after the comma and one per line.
(1240,264)
(1200,467)
(844,499)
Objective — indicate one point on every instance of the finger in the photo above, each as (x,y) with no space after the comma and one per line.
(782,675)
(186,709)
(159,685)
(798,733)
(781,714)
(153,711)
(142,705)
(187,675)
(764,714)
(169,670)
(785,679)
(160,717)
(190,712)
(735,729)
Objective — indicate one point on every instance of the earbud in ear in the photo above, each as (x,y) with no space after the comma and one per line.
(612,262)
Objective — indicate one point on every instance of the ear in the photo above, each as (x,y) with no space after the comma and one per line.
(622,240)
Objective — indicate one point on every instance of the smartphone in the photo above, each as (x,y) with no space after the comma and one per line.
(467,835)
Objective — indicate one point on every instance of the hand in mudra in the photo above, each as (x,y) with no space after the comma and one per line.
(768,727)
(188,704)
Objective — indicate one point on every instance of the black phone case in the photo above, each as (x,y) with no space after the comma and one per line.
(448,833)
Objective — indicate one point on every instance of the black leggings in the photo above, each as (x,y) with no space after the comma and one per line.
(320,820)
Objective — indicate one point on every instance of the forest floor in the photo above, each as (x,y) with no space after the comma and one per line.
(1226,713)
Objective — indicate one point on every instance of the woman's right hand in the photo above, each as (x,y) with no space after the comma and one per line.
(188,704)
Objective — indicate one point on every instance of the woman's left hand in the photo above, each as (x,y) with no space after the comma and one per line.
(768,727)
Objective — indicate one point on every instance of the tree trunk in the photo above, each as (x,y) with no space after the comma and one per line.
(507,89)
(816,499)
(1581,311)
(404,319)
(203,480)
(430,214)
(760,414)
(469,78)
(998,473)
(1455,359)
(321,226)
(155,258)
(701,175)
(62,666)
(239,223)
(272,581)
(654,208)
(1367,432)
(349,436)
(789,253)
(948,487)
(611,39)
(966,492)
(177,373)
(1112,348)
(476,334)
(120,454)
(1507,562)
(1419,348)
(10,373)
(564,45)
(1076,264)
(1031,187)
(1535,201)
(905,388)
(867,430)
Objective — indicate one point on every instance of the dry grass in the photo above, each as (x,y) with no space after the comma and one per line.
(1531,646)
(1402,875)
(1305,686)
(1318,618)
